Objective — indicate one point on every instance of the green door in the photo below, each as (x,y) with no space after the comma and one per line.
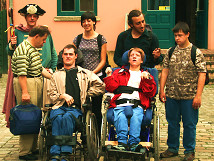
(160,14)
(202,23)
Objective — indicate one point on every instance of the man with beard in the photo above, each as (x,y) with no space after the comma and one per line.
(138,36)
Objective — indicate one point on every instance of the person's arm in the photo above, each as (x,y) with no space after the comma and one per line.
(96,85)
(148,84)
(46,74)
(163,78)
(54,56)
(197,99)
(158,58)
(102,59)
(11,45)
(23,85)
(119,50)
(111,81)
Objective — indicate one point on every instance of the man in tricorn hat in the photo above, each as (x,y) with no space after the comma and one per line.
(31,12)
(48,54)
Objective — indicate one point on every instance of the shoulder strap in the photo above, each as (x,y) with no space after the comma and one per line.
(79,37)
(171,51)
(99,42)
(193,53)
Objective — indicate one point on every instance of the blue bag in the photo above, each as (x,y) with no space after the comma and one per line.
(25,119)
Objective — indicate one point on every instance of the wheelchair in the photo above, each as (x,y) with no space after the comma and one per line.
(84,142)
(150,132)
(150,136)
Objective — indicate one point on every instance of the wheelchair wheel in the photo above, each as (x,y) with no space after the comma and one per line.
(156,139)
(43,147)
(104,130)
(92,135)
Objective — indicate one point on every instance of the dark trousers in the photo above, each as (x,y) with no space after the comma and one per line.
(96,109)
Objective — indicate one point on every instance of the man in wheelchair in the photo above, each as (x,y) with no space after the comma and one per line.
(68,90)
(133,87)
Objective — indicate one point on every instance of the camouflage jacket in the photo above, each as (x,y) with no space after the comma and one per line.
(182,79)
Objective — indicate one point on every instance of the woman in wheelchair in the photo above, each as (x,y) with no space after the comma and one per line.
(133,87)
(68,90)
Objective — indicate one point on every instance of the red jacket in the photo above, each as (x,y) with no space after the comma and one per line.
(120,77)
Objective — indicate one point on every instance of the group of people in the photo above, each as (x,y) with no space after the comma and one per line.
(35,57)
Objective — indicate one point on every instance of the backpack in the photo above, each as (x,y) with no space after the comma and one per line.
(193,57)
(99,42)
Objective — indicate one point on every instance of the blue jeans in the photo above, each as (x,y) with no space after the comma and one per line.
(63,124)
(121,125)
(175,110)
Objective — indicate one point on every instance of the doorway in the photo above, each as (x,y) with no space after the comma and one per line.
(195,14)
(185,11)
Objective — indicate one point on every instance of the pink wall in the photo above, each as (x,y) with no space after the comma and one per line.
(111,14)
(112,20)
(211,25)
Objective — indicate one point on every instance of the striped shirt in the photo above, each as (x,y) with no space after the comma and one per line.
(26,60)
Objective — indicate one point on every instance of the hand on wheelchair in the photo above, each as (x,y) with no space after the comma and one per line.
(69,99)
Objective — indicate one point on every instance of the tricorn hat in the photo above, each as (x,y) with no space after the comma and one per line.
(31,9)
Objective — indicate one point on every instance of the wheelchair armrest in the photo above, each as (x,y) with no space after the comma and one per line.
(153,101)
(47,107)
(108,99)
(88,104)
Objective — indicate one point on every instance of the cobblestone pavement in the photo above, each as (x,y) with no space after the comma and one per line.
(205,131)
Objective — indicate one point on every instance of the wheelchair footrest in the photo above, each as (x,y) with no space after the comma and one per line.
(113,143)
(62,140)
(126,154)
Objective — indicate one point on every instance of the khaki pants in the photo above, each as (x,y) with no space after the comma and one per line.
(46,98)
(28,142)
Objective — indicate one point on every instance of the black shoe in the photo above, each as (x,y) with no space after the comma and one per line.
(121,146)
(36,152)
(28,157)
(137,148)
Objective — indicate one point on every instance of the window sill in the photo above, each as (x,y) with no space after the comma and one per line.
(70,18)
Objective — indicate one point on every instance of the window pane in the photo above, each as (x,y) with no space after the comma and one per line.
(86,5)
(159,5)
(68,5)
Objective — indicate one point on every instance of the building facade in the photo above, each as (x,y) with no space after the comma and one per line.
(63,18)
